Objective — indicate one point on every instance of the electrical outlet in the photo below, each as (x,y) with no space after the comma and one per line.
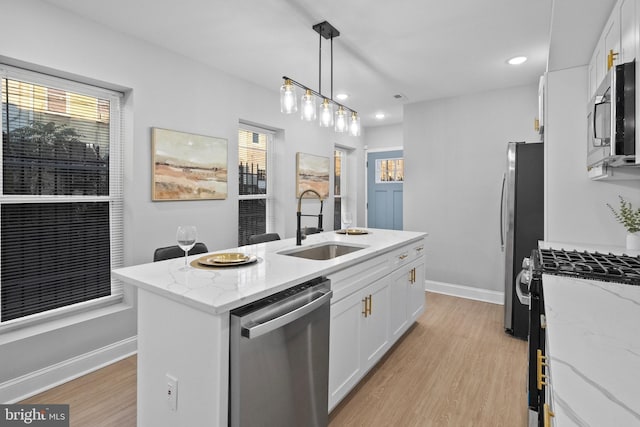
(172,393)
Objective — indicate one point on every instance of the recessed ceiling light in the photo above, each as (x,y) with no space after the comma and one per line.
(379,116)
(342,96)
(517,60)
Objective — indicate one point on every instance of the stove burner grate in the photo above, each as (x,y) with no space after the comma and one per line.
(590,265)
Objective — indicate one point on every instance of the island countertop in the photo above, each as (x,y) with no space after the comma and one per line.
(222,289)
(593,347)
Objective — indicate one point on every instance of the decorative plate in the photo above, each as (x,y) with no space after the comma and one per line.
(353,231)
(225,259)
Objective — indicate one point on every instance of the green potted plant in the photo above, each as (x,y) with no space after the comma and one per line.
(630,219)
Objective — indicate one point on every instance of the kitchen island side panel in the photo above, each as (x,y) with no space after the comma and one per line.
(189,345)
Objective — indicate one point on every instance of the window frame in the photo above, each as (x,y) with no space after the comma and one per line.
(344,182)
(115,198)
(268,196)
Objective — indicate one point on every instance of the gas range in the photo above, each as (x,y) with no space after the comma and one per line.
(605,267)
(587,265)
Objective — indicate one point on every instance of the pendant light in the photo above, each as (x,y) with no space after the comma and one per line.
(354,124)
(288,100)
(343,121)
(326,114)
(308,106)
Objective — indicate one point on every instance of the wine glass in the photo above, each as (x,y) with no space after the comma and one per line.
(347,219)
(186,237)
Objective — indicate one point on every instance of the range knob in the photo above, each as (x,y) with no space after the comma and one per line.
(526,263)
(525,278)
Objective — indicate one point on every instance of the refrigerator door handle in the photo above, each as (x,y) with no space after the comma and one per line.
(504,181)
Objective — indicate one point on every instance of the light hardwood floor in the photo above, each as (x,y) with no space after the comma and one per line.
(454,367)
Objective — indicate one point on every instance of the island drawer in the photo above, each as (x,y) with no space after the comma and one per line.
(406,254)
(351,279)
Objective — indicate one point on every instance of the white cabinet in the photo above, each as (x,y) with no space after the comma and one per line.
(416,297)
(628,30)
(597,68)
(374,303)
(611,36)
(345,368)
(407,294)
(359,336)
(398,297)
(619,38)
(375,322)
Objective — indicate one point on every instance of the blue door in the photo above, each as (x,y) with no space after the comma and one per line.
(385,175)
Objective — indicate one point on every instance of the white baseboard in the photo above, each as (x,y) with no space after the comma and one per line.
(467,292)
(20,388)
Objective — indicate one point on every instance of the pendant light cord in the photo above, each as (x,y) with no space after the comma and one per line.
(332,66)
(320,64)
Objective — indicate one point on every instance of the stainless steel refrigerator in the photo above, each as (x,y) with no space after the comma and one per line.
(521,224)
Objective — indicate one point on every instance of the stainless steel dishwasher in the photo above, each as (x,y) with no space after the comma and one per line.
(279,358)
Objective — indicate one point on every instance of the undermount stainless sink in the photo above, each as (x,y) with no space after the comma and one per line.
(323,251)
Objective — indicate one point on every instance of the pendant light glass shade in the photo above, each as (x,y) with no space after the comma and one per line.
(308,106)
(341,120)
(288,98)
(354,125)
(326,114)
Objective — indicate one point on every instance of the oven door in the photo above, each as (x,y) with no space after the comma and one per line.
(536,342)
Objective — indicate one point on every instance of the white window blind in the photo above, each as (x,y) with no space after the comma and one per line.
(61,202)
(254,177)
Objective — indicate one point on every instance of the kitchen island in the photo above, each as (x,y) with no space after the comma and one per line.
(183,315)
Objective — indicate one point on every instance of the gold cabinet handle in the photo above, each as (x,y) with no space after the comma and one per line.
(403,256)
(540,364)
(414,275)
(419,248)
(610,58)
(366,311)
(547,415)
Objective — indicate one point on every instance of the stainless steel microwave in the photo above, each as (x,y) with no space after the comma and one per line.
(611,119)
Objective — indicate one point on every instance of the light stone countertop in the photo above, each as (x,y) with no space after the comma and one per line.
(593,348)
(222,289)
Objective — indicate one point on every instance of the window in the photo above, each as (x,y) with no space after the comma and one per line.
(339,157)
(56,101)
(61,197)
(254,208)
(389,170)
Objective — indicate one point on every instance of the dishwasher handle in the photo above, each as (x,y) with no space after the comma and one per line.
(278,322)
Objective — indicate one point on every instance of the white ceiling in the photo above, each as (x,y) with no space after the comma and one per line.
(420,49)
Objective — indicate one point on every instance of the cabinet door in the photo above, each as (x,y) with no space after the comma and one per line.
(375,327)
(344,347)
(628,30)
(600,64)
(398,297)
(416,295)
(592,78)
(612,37)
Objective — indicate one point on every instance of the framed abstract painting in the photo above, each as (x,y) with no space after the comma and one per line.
(187,166)
(312,172)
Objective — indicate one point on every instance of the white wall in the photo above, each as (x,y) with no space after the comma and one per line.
(455,155)
(576,208)
(382,137)
(163,89)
